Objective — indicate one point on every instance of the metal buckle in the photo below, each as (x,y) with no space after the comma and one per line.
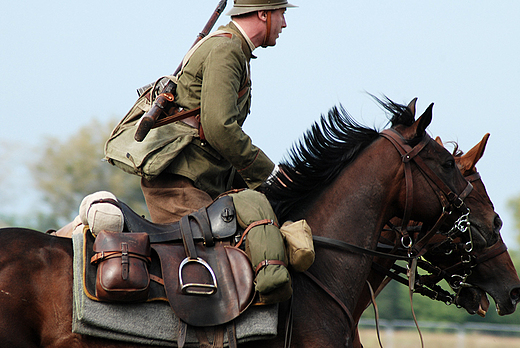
(404,244)
(187,289)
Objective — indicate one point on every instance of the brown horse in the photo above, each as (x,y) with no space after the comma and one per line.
(328,320)
(488,254)
(345,179)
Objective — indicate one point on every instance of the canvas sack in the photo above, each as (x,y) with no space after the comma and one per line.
(162,144)
(298,241)
(158,149)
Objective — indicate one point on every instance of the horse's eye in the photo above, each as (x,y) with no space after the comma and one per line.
(449,164)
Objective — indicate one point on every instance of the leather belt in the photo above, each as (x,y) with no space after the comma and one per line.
(192,121)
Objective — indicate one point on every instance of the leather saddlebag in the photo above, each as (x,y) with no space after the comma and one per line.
(122,266)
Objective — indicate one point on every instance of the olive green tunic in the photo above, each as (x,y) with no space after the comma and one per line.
(213,78)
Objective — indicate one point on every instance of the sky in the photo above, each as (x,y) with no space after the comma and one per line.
(65,63)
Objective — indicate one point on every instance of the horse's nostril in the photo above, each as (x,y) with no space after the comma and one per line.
(515,295)
(497,223)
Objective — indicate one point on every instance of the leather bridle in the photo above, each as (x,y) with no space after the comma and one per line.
(450,202)
(455,275)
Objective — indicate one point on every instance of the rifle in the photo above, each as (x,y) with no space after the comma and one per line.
(165,98)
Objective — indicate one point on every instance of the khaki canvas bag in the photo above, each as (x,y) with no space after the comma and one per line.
(151,156)
(161,145)
(299,244)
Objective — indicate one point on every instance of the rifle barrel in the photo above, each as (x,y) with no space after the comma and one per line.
(160,104)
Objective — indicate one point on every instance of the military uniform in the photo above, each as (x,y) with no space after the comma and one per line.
(223,64)
(216,77)
(213,77)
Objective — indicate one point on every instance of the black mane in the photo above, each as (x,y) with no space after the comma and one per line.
(316,160)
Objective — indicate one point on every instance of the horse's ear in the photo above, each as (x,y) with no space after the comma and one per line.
(439,141)
(470,159)
(419,126)
(411,106)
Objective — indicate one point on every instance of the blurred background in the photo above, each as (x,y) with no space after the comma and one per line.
(69,72)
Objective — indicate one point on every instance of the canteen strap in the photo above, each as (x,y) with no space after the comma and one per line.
(254,224)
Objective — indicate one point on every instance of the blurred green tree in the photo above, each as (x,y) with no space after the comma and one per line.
(514,206)
(68,169)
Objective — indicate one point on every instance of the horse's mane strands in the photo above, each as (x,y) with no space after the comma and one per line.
(316,160)
(399,114)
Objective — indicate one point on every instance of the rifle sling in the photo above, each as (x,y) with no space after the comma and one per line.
(179,116)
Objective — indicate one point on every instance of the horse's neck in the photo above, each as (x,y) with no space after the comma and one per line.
(354,209)
(361,200)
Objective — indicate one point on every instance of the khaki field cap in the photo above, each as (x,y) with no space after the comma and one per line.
(245,6)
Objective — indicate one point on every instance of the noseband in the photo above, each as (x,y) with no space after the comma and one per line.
(457,274)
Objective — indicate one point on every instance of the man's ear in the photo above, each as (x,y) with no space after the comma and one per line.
(262,15)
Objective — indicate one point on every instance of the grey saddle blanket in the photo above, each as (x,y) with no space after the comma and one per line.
(152,323)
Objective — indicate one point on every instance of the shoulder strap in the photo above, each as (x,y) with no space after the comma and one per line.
(196,46)
(193,113)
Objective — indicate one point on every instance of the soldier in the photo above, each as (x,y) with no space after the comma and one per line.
(216,77)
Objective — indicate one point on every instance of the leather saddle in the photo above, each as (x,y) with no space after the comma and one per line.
(206,280)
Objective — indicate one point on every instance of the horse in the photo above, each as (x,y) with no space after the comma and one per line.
(345,179)
(332,268)
(491,256)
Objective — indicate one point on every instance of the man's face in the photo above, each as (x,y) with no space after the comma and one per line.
(277,24)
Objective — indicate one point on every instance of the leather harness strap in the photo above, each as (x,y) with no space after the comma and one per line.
(157,279)
(179,116)
(335,298)
(266,263)
(254,224)
(447,197)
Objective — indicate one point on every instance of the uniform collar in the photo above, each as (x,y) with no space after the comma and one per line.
(248,40)
(247,44)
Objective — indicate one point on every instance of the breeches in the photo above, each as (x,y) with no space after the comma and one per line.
(169,197)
